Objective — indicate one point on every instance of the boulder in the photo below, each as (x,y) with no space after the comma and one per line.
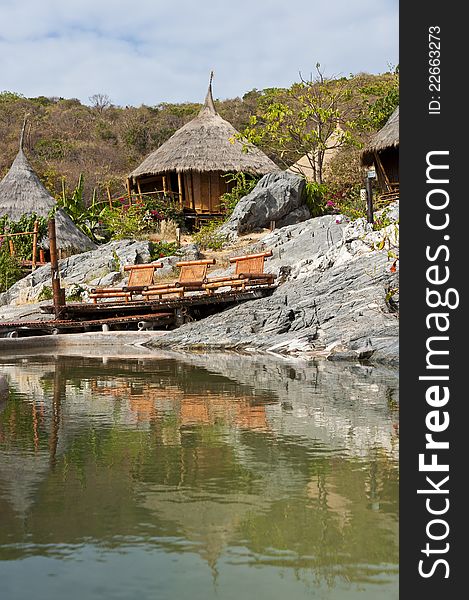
(276,196)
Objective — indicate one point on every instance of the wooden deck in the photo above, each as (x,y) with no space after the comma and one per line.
(77,316)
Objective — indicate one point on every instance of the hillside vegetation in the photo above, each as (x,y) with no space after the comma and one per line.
(66,138)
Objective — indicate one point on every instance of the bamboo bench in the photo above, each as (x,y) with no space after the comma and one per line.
(140,279)
(249,271)
(192,276)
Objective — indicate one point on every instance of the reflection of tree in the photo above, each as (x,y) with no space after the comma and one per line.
(173,456)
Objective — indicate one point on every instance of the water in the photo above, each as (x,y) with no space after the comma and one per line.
(202,477)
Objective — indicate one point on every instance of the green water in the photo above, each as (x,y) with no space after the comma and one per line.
(198,477)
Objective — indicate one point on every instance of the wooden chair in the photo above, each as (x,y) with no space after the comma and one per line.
(249,271)
(140,278)
(192,276)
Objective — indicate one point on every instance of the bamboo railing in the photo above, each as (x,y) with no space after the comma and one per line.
(35,234)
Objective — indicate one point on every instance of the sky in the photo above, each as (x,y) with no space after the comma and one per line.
(152,51)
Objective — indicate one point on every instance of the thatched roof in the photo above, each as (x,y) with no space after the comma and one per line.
(205,144)
(21,192)
(384,139)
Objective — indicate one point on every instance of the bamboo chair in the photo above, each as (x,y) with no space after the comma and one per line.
(192,276)
(249,271)
(140,278)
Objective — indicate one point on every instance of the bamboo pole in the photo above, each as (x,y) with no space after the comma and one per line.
(12,248)
(4,235)
(180,191)
(164,184)
(35,234)
(54,267)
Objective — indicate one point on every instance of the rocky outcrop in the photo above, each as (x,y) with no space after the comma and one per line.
(334,299)
(279,197)
(101,267)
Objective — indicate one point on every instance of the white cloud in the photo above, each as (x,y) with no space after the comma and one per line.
(154,51)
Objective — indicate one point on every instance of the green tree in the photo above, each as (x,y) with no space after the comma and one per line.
(308,119)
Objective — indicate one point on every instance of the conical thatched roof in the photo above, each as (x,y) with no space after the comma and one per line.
(21,192)
(385,138)
(205,144)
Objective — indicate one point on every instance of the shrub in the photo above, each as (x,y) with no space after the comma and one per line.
(243,185)
(346,201)
(316,198)
(10,269)
(46,293)
(208,237)
(142,216)
(161,249)
(23,244)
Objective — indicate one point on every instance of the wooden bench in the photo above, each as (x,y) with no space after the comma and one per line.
(192,276)
(249,271)
(140,278)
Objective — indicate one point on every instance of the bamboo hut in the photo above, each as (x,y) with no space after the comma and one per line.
(21,192)
(191,165)
(382,152)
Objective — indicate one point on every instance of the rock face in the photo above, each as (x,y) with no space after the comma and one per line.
(334,298)
(101,267)
(276,196)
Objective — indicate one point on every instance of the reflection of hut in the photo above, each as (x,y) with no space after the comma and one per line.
(382,152)
(21,192)
(193,162)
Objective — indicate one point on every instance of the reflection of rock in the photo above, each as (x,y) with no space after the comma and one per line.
(343,406)
(3,391)
(214,455)
(20,475)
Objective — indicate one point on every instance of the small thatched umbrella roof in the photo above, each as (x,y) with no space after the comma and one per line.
(21,192)
(205,144)
(386,138)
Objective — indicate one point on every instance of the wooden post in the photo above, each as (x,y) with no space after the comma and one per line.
(42,255)
(178,237)
(109,196)
(35,234)
(128,190)
(164,185)
(54,267)
(369,200)
(180,191)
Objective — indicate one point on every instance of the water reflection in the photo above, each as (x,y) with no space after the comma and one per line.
(261,470)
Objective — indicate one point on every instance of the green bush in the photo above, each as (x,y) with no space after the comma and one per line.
(10,268)
(208,237)
(141,217)
(46,293)
(316,198)
(345,200)
(23,243)
(243,185)
(161,249)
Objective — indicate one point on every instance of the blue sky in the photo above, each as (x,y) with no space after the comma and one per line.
(154,51)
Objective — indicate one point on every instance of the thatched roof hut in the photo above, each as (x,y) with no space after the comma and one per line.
(191,164)
(382,151)
(21,192)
